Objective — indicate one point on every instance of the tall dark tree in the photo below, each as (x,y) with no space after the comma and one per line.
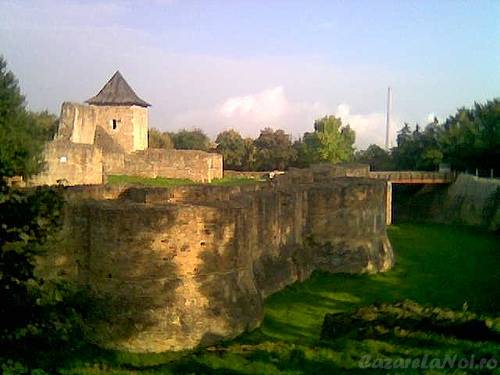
(301,160)
(274,150)
(429,150)
(250,158)
(467,140)
(471,137)
(27,218)
(378,158)
(20,140)
(232,147)
(403,153)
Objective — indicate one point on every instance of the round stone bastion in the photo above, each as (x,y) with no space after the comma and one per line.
(176,268)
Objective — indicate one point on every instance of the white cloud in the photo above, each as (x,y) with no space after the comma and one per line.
(369,128)
(267,105)
(250,113)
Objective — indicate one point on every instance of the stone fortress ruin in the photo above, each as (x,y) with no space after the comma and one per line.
(174,268)
(109,135)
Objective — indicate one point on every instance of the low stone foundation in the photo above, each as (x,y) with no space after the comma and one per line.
(172,269)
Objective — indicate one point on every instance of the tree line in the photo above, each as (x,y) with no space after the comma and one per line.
(330,141)
(466,140)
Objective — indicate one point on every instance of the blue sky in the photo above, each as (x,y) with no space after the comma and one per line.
(250,64)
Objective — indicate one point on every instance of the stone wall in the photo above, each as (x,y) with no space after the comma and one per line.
(70,164)
(194,165)
(172,269)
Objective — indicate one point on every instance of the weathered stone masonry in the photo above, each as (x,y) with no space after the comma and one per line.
(180,267)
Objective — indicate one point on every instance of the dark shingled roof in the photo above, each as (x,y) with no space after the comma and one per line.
(117,92)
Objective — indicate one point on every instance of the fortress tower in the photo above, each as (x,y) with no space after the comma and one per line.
(116,119)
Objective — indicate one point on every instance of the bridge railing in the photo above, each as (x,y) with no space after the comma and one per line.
(414,177)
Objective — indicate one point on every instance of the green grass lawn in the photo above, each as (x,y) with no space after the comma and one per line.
(170,182)
(441,265)
(141,181)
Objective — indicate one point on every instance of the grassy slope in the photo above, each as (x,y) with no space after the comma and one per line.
(170,182)
(439,265)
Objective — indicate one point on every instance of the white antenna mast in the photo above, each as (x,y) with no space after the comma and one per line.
(388,119)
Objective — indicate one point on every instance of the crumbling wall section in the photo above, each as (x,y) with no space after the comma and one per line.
(77,123)
(172,269)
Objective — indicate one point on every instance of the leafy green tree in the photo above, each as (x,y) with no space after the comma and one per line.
(430,159)
(487,119)
(404,135)
(330,142)
(468,139)
(31,317)
(232,146)
(418,150)
(404,153)
(301,159)
(194,139)
(429,150)
(274,150)
(378,158)
(158,139)
(250,157)
(47,122)
(21,141)
(471,137)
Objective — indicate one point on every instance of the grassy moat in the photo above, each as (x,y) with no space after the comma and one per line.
(443,266)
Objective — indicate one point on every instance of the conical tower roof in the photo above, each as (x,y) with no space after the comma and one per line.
(117,92)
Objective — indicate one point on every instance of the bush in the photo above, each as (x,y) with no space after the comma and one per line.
(394,319)
(37,314)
